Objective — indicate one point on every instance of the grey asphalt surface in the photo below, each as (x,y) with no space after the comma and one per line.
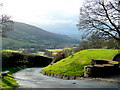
(32,78)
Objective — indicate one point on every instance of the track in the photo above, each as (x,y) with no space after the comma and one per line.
(32,78)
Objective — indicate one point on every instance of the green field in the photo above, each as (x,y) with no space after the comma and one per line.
(17,51)
(74,64)
(55,51)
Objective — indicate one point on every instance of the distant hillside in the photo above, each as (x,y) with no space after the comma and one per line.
(28,36)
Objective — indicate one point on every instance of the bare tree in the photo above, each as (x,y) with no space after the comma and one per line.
(101,17)
(6,24)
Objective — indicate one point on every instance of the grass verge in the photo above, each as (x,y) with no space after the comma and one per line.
(8,81)
(74,64)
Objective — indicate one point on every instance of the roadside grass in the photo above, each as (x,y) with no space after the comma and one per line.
(14,62)
(8,81)
(74,64)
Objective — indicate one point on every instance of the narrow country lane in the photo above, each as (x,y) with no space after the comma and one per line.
(32,78)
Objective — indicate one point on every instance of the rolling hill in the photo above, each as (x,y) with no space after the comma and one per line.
(28,36)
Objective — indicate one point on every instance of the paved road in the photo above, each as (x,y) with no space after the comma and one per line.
(32,78)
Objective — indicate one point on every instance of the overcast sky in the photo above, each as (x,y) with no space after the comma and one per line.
(47,14)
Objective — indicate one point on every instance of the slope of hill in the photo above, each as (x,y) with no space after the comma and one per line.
(25,35)
(74,64)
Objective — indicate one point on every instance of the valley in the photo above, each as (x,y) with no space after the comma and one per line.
(27,36)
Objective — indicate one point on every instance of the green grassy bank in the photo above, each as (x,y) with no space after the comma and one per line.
(8,81)
(74,64)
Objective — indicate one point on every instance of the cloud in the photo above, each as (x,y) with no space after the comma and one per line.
(48,14)
(55,21)
(22,9)
(50,21)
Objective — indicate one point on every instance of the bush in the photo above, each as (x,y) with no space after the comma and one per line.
(12,59)
(58,57)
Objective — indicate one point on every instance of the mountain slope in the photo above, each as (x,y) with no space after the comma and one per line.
(25,35)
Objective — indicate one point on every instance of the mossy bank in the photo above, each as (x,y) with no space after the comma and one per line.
(74,64)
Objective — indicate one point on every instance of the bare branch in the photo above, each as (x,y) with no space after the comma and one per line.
(100,17)
(5,25)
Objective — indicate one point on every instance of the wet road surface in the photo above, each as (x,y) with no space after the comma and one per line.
(32,78)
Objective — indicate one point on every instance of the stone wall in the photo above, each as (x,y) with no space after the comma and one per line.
(97,69)
(101,68)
